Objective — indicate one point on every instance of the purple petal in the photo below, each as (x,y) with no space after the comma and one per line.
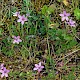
(19,20)
(42,67)
(13,36)
(19,16)
(63,18)
(64,12)
(39,70)
(2,75)
(18,37)
(67,18)
(22,22)
(4,69)
(61,15)
(16,13)
(6,75)
(19,40)
(8,71)
(73,25)
(39,63)
(2,64)
(1,71)
(36,65)
(67,14)
(14,41)
(35,69)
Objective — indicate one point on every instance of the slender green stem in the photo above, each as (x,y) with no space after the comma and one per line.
(22,29)
(48,38)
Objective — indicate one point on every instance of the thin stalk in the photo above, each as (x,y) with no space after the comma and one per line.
(22,30)
(48,40)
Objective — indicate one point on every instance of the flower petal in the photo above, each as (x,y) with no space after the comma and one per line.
(42,67)
(67,14)
(67,18)
(18,37)
(1,71)
(35,69)
(19,20)
(22,22)
(61,15)
(39,70)
(19,16)
(2,75)
(19,40)
(39,63)
(63,18)
(6,75)
(36,65)
(64,12)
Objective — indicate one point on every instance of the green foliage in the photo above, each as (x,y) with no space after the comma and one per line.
(1,31)
(42,36)
(26,3)
(50,76)
(59,0)
(77,13)
(6,48)
(17,74)
(44,9)
(48,10)
(71,76)
(63,40)
(24,52)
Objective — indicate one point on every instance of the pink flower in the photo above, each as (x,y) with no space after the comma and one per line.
(38,67)
(2,66)
(16,14)
(64,16)
(71,23)
(22,19)
(4,72)
(16,39)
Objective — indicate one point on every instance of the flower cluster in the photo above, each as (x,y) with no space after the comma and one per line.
(65,16)
(3,71)
(16,39)
(38,67)
(22,18)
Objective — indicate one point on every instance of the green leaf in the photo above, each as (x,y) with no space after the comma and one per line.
(0,31)
(44,9)
(71,44)
(77,13)
(51,8)
(67,37)
(43,30)
(59,0)
(71,76)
